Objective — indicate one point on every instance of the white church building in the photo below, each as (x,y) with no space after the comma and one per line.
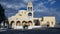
(26,17)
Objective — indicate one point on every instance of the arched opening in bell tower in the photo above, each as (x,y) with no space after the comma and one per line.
(29,8)
(29,14)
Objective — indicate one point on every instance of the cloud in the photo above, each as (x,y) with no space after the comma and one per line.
(26,1)
(13,6)
(51,1)
(54,11)
(40,7)
(16,7)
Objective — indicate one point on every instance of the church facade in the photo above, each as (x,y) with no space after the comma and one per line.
(25,17)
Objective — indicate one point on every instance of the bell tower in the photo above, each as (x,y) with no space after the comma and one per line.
(30,12)
(30,9)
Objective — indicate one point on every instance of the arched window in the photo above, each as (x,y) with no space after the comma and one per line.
(29,8)
(12,24)
(20,15)
(29,14)
(18,23)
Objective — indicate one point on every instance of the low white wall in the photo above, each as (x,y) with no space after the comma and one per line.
(29,27)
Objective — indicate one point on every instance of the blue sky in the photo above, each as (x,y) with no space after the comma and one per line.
(41,7)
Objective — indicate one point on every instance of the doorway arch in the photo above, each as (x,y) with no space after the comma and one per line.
(30,23)
(18,23)
(12,24)
(25,24)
